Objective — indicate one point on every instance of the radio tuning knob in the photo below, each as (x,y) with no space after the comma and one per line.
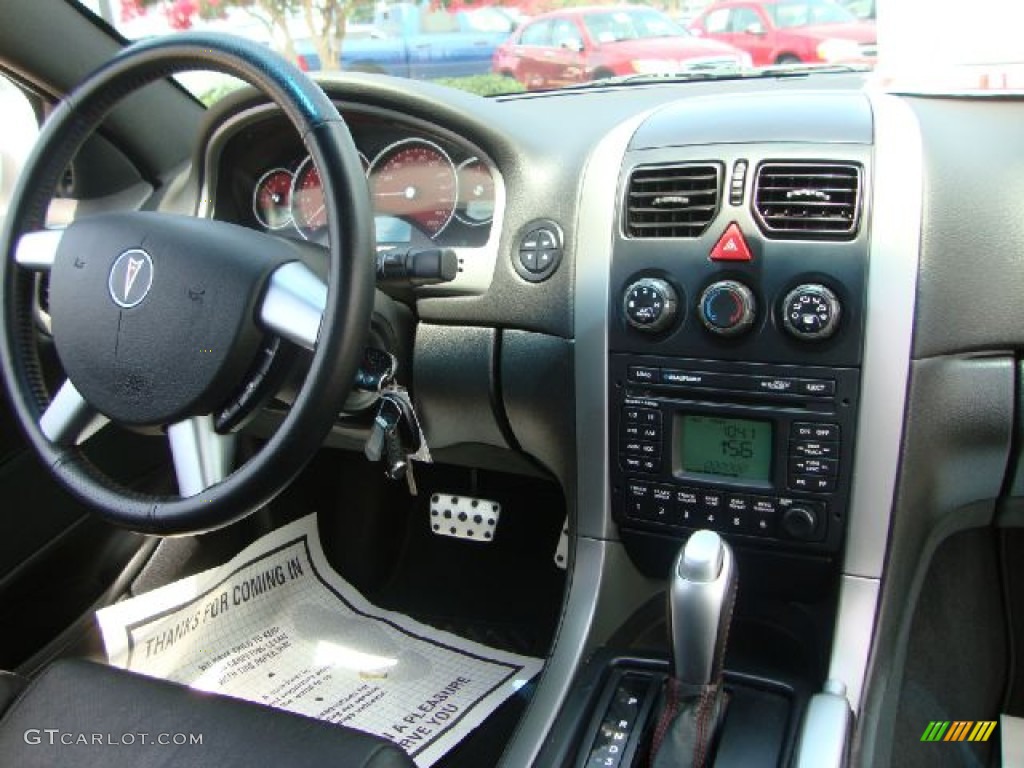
(727,308)
(811,312)
(650,304)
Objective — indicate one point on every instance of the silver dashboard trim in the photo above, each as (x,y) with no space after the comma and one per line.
(604,586)
(825,733)
(889,327)
(476,265)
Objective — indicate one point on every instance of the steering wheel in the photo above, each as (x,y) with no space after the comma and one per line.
(158,318)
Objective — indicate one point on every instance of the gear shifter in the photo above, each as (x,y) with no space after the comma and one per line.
(702,590)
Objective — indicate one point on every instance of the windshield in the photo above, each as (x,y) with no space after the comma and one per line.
(496,47)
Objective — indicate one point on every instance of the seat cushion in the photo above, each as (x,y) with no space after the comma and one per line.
(81,714)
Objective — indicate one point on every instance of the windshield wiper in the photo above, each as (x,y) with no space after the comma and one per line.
(721,71)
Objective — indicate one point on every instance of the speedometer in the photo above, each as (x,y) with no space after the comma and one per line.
(414,179)
(309,209)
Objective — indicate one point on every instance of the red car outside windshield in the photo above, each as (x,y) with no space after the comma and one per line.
(580,44)
(790,31)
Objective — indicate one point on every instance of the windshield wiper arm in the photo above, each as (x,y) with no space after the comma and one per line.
(721,72)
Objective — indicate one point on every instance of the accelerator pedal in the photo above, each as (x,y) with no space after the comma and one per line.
(562,549)
(463,517)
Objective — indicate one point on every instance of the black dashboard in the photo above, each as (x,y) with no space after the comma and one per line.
(738,269)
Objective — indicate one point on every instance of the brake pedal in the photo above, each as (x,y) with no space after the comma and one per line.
(464,517)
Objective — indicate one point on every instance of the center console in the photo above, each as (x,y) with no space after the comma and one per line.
(735,316)
(735,334)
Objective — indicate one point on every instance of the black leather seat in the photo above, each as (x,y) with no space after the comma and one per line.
(81,714)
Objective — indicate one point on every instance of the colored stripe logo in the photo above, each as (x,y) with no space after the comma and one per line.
(958,730)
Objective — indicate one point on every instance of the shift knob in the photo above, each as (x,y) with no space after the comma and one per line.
(702,590)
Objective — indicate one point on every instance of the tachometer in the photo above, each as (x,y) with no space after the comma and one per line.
(271,199)
(415,179)
(476,193)
(309,209)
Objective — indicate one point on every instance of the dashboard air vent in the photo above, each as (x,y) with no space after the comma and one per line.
(672,200)
(808,201)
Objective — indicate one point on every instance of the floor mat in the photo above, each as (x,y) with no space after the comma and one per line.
(278,626)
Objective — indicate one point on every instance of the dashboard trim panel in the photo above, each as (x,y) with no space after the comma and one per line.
(599,595)
(889,325)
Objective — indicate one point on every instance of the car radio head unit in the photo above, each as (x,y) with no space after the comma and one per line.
(757,451)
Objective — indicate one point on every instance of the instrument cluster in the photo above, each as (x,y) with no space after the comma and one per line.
(418,190)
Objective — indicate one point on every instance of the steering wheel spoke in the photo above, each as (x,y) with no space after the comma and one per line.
(38,250)
(70,419)
(294,304)
(202,456)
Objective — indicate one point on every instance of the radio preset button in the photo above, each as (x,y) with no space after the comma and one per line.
(711,501)
(661,509)
(638,500)
(763,514)
(815,431)
(814,449)
(687,497)
(739,504)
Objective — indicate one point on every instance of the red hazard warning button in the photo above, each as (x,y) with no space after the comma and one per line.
(731,246)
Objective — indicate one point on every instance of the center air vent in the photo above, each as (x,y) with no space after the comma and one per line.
(672,200)
(808,201)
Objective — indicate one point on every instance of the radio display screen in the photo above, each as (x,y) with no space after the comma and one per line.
(737,449)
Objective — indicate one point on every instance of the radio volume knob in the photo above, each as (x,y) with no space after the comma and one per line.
(800,523)
(811,312)
(727,308)
(650,304)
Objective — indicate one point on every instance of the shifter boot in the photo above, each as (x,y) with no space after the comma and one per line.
(689,722)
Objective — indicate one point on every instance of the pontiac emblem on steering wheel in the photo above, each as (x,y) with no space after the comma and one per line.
(131,277)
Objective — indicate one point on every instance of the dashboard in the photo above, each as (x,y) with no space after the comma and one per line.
(668,373)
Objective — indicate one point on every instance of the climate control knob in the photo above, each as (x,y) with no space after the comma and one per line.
(650,304)
(811,312)
(727,308)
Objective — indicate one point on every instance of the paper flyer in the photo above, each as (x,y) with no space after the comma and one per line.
(277,625)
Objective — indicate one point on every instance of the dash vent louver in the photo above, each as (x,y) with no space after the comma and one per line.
(672,200)
(808,201)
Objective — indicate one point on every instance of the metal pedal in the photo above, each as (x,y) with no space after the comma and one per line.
(562,550)
(463,517)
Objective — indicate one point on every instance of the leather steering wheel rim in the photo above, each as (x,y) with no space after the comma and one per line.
(343,324)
